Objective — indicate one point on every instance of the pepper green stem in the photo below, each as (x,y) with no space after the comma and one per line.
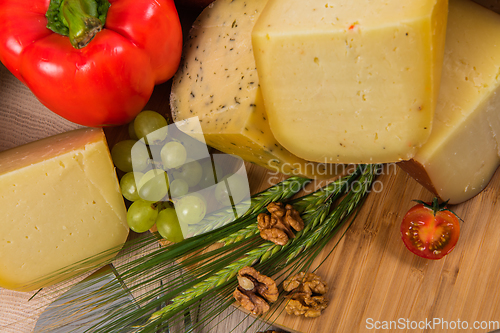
(80,20)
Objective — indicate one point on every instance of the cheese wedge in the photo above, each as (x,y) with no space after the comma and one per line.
(463,151)
(60,203)
(217,82)
(350,81)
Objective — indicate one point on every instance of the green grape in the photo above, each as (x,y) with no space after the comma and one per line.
(190,209)
(149,175)
(177,174)
(191,172)
(141,215)
(238,186)
(128,185)
(153,186)
(131,131)
(173,155)
(178,188)
(209,172)
(151,126)
(168,225)
(122,156)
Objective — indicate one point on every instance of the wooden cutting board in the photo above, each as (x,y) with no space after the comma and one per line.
(371,275)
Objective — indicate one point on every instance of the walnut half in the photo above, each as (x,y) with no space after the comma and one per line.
(307,295)
(254,290)
(277,227)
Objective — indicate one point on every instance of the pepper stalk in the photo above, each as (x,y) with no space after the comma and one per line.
(80,20)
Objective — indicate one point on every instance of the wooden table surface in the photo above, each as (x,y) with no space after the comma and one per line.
(372,276)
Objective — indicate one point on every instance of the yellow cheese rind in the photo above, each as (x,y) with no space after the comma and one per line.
(60,203)
(462,152)
(358,81)
(218,82)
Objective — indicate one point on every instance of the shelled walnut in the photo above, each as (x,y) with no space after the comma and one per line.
(254,290)
(307,295)
(277,227)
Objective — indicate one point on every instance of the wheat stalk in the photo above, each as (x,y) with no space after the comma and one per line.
(262,253)
(334,219)
(304,205)
(281,191)
(220,278)
(212,274)
(314,207)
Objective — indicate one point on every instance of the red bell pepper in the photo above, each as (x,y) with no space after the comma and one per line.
(132,45)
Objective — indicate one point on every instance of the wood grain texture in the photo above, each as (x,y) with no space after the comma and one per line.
(372,275)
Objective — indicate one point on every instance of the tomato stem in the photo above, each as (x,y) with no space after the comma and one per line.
(80,20)
(436,207)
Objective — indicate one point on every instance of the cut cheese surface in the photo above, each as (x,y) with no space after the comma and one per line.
(218,82)
(60,203)
(348,81)
(463,151)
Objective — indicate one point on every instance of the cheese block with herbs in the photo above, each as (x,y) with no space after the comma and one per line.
(217,81)
(60,202)
(463,151)
(350,81)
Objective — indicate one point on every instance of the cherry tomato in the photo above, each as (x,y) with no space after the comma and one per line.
(430,230)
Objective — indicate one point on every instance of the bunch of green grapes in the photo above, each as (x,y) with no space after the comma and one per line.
(147,185)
